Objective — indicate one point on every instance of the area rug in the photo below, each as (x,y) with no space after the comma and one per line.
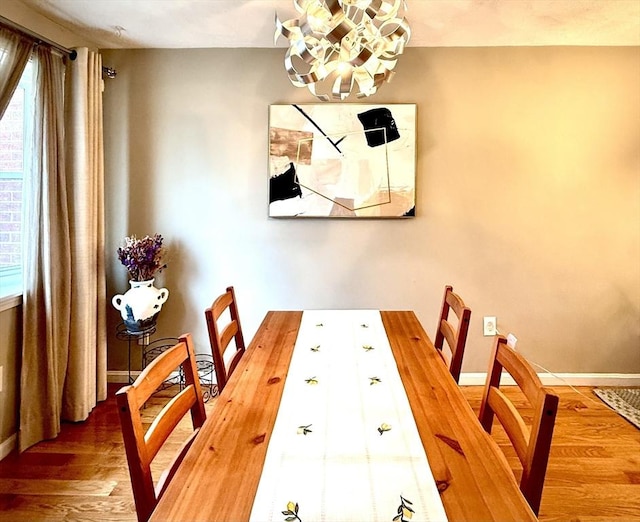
(625,401)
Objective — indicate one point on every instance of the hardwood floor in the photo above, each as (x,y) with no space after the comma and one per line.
(593,474)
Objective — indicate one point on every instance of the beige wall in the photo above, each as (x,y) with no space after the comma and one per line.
(528,180)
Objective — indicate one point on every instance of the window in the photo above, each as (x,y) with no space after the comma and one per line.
(16,134)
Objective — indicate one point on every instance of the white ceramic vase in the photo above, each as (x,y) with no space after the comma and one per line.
(140,305)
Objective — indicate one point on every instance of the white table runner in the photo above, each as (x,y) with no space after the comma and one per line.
(345,446)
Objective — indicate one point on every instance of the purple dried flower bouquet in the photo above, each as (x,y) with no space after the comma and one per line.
(142,257)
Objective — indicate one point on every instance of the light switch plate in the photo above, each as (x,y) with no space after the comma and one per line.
(490,326)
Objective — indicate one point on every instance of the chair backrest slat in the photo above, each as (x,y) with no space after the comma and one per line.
(168,418)
(228,333)
(222,302)
(448,332)
(507,414)
(532,444)
(522,372)
(151,377)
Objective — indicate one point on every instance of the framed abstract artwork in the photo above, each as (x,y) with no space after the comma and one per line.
(341,160)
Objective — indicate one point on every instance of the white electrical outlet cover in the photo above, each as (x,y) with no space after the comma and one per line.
(490,326)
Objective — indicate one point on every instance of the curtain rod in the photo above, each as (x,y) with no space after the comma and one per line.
(107,71)
(38,37)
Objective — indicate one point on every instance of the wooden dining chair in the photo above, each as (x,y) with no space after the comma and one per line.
(220,336)
(454,334)
(142,444)
(531,444)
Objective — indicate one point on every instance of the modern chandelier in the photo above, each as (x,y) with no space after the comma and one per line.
(337,47)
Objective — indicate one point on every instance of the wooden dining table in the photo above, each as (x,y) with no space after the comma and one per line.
(220,475)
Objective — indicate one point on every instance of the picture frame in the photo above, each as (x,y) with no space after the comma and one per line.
(342,160)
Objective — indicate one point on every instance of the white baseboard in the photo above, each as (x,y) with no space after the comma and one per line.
(121,376)
(562,379)
(8,445)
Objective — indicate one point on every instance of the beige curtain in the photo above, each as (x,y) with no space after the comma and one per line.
(64,331)
(14,55)
(86,381)
(46,305)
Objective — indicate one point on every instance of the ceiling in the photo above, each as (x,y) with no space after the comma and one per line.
(124,24)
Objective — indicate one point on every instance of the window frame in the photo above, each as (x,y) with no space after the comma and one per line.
(11,280)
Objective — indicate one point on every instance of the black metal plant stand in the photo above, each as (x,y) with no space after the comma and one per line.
(152,349)
(143,339)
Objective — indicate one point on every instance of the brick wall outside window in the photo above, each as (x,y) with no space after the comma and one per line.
(11,175)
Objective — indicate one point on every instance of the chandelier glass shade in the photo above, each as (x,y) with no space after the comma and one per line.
(337,47)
